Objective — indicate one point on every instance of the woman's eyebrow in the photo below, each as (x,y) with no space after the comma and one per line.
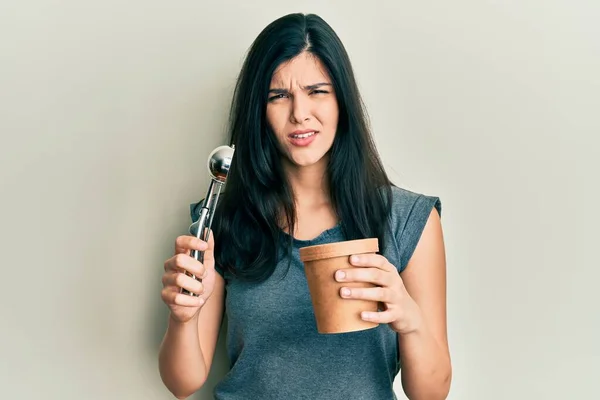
(316,85)
(309,87)
(278,91)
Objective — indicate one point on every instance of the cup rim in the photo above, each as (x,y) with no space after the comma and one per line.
(339,249)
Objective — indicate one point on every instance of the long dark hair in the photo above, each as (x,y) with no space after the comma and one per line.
(258,198)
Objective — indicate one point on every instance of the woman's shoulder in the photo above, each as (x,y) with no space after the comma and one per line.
(408,214)
(405,201)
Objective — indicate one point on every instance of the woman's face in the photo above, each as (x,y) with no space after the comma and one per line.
(302,110)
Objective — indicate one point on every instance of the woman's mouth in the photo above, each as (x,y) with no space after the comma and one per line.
(302,138)
(303,135)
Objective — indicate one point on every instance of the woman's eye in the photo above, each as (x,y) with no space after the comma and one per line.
(277,96)
(319,91)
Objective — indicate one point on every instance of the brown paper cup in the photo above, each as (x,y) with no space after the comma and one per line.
(333,313)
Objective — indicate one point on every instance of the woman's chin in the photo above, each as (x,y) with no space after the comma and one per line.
(308,162)
(298,161)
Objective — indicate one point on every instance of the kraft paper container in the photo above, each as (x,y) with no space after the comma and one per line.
(333,313)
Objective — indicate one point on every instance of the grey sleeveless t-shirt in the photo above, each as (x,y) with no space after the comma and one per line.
(274,349)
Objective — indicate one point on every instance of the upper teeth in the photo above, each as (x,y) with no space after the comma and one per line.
(304,135)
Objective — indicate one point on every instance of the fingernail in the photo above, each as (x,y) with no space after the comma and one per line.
(345,292)
(354,259)
(340,275)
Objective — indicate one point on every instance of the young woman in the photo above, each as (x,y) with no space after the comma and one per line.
(305,172)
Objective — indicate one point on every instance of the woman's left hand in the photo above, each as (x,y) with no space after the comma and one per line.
(400,311)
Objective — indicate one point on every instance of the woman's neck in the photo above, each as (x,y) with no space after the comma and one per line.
(314,211)
(310,184)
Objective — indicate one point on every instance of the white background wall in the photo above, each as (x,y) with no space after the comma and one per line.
(108,110)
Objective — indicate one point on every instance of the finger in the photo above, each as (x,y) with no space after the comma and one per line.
(381,317)
(181,280)
(376,276)
(371,260)
(379,293)
(186,243)
(176,280)
(184,262)
(175,298)
(207,247)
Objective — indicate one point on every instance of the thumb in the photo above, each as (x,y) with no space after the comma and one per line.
(208,234)
(209,254)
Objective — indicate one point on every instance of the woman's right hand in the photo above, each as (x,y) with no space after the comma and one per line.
(185,307)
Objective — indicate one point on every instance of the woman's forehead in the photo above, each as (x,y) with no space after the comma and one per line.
(301,71)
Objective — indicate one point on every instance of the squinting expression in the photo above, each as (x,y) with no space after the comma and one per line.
(303,111)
